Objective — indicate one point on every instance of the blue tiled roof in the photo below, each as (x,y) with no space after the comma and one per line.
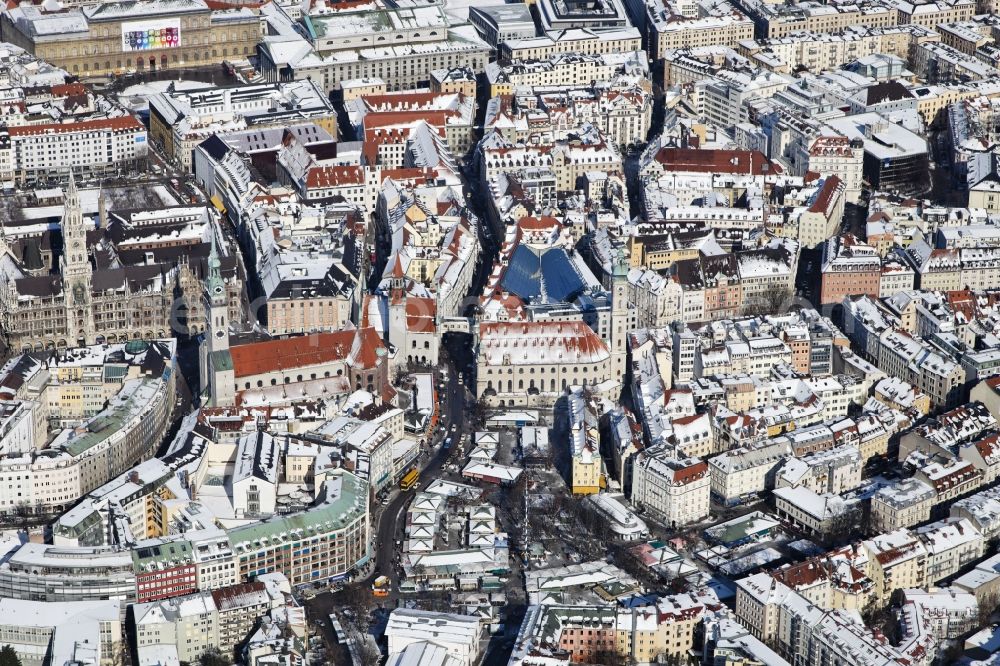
(546,275)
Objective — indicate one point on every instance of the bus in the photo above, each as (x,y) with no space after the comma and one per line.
(409,480)
(338,629)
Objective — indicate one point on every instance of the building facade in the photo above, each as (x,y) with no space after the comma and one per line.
(676,492)
(85,303)
(114,37)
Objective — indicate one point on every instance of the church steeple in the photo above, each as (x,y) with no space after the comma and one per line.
(217,378)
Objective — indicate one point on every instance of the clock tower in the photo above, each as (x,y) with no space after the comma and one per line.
(218,381)
(76,271)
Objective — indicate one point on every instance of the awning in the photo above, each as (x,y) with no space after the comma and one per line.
(217,202)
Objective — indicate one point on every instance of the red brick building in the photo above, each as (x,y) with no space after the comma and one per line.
(164,570)
(849,267)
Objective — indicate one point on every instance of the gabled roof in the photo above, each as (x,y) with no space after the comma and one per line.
(359,349)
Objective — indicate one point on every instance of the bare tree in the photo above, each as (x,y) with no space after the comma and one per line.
(950,652)
(771,301)
(359,599)
(368,653)
(480,411)
(213,657)
(627,561)
(884,617)
(843,527)
(867,524)
(987,606)
(610,657)
(673,659)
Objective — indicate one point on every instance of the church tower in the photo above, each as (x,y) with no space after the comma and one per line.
(77,273)
(619,316)
(218,380)
(396,312)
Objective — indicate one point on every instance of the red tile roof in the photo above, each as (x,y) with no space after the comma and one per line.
(686,475)
(830,145)
(236,4)
(364,352)
(120,124)
(421,314)
(684,420)
(335,176)
(359,349)
(988,446)
(550,338)
(802,574)
(69,89)
(404,175)
(237,595)
(397,267)
(955,478)
(963,302)
(402,100)
(825,196)
(893,554)
(377,119)
(716,161)
(544,222)
(291,353)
